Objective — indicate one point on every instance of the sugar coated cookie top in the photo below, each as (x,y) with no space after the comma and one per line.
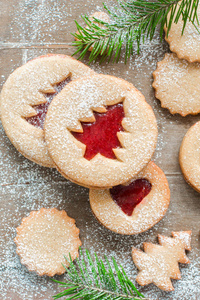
(74,107)
(25,95)
(44,237)
(176,84)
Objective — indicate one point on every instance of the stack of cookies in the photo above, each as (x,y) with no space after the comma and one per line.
(97,130)
(176,83)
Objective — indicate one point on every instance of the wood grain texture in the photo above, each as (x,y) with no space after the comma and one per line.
(32,28)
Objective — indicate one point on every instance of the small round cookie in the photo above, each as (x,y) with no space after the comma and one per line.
(176,84)
(189,156)
(186,46)
(134,207)
(100,131)
(44,237)
(25,98)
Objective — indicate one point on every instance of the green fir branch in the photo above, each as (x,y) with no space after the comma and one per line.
(89,279)
(132,22)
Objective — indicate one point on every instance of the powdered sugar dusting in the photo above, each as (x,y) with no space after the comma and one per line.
(186,45)
(38,120)
(29,186)
(24,90)
(146,214)
(189,156)
(38,20)
(176,85)
(38,237)
(159,262)
(120,248)
(76,103)
(21,199)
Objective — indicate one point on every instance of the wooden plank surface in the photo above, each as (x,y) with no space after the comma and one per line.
(32,28)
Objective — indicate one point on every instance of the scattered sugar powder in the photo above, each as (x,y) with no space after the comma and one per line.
(16,281)
(27,186)
(44,21)
(19,200)
(120,248)
(39,21)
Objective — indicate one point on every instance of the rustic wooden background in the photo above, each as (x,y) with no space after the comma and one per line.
(30,28)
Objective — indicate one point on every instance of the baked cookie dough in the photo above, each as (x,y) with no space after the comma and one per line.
(189,156)
(74,106)
(158,264)
(134,207)
(186,46)
(44,237)
(176,84)
(25,89)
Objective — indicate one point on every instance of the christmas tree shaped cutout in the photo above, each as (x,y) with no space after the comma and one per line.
(38,118)
(100,136)
(158,264)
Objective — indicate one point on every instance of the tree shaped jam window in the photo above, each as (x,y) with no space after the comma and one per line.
(129,196)
(101,135)
(38,120)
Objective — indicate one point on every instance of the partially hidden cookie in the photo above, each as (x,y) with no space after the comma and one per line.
(189,156)
(44,237)
(186,45)
(100,131)
(158,264)
(25,98)
(176,84)
(102,16)
(134,207)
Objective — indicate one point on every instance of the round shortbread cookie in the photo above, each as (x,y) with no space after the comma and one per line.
(143,215)
(189,156)
(186,45)
(25,89)
(176,84)
(77,103)
(44,237)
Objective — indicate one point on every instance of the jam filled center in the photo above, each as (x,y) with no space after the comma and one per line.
(38,120)
(101,135)
(129,196)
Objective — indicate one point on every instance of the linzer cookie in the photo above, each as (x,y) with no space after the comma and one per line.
(176,84)
(158,264)
(25,98)
(100,131)
(189,156)
(186,45)
(134,207)
(44,237)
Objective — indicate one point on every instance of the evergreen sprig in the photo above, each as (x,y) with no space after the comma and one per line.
(133,21)
(89,279)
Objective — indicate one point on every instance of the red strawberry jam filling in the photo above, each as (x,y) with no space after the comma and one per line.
(101,135)
(38,120)
(129,196)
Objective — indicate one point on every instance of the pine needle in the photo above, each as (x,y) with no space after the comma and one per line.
(133,22)
(89,279)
